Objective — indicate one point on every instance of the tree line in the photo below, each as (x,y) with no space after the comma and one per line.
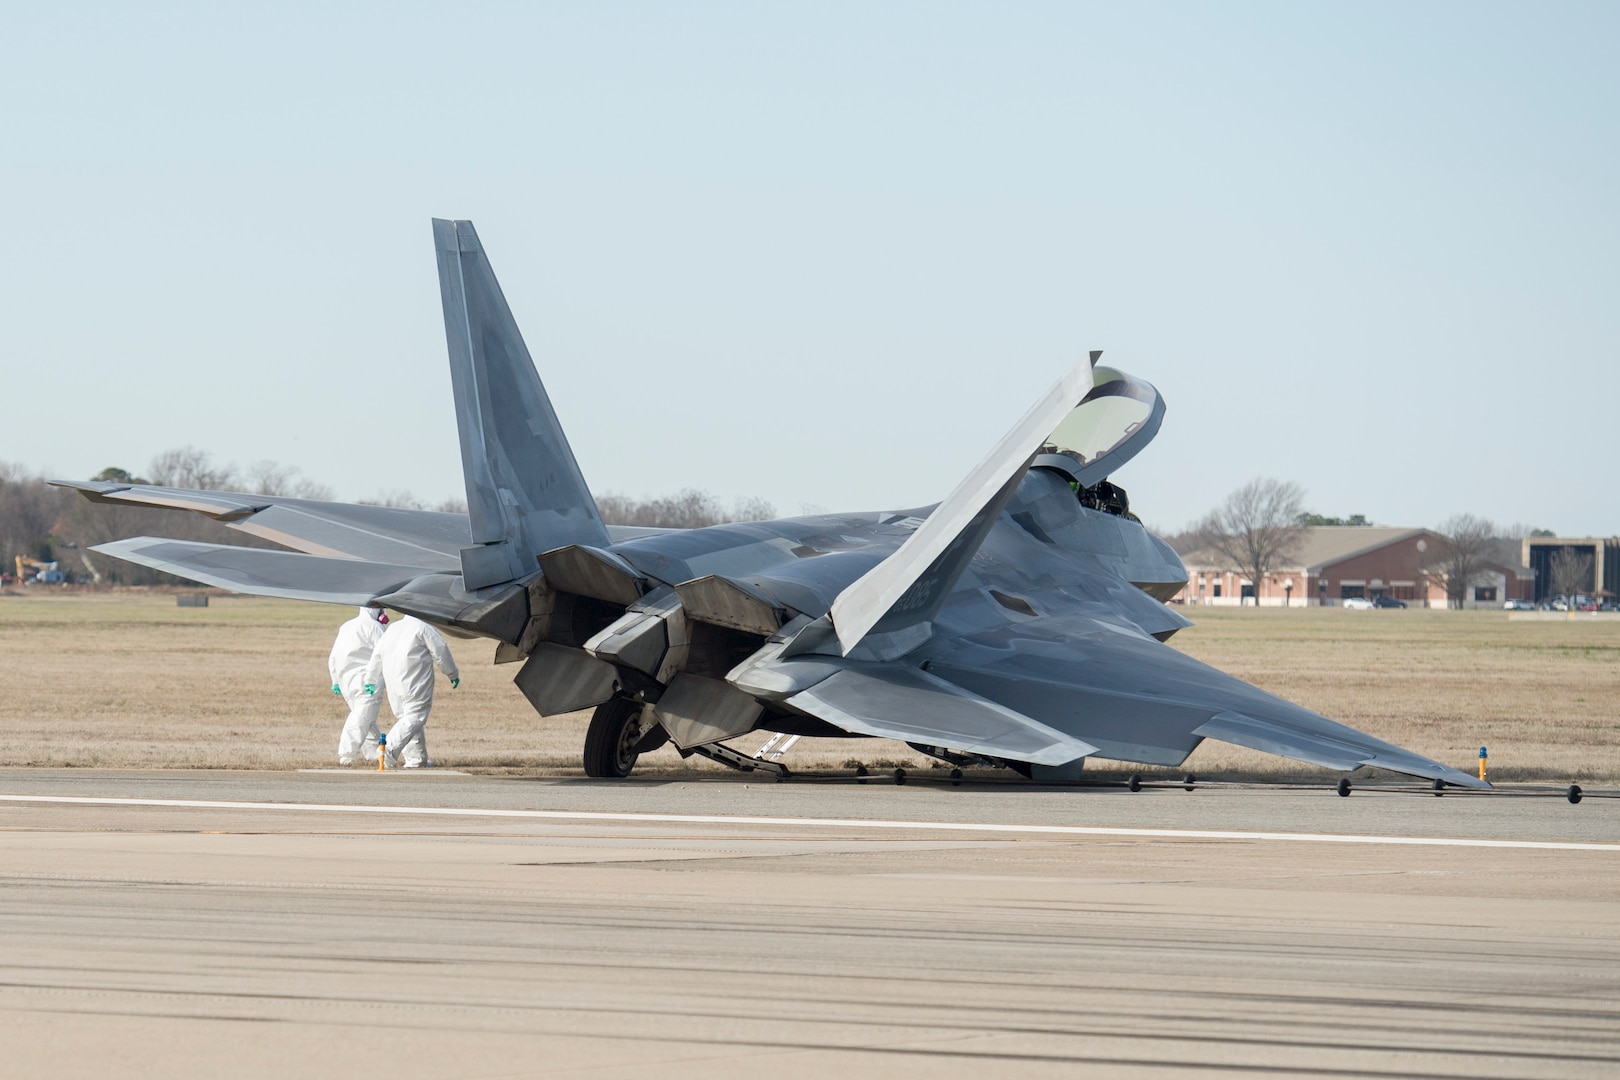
(686,509)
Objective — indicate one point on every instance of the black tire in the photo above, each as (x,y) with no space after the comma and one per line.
(611,740)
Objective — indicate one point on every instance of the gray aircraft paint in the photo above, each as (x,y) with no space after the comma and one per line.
(1041,641)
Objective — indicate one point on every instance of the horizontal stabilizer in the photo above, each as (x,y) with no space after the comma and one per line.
(1320,748)
(909,586)
(908,704)
(421,538)
(258,572)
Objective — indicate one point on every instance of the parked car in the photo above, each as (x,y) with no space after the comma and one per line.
(1388,601)
(1356,603)
(1519,605)
(1557,603)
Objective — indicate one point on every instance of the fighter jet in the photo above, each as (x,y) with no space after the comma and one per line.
(1020,623)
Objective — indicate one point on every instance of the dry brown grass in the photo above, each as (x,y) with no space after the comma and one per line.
(1540,693)
(127,679)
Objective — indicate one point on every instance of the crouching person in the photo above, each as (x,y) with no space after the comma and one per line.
(403,664)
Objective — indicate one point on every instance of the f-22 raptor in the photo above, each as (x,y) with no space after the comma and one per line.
(1019,623)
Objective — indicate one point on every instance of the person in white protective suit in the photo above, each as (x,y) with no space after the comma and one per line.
(403,664)
(351,652)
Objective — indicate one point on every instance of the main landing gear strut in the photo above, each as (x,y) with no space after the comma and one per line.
(617,736)
(620,733)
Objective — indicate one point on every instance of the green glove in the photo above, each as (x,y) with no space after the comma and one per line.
(454,682)
(336,689)
(371,688)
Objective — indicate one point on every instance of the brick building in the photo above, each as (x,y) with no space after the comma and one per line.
(1336,562)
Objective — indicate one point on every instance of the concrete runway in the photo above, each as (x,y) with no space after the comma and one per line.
(402,925)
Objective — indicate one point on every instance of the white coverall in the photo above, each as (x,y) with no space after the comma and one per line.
(404,663)
(351,652)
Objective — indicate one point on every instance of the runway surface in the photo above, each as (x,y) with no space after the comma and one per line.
(272,924)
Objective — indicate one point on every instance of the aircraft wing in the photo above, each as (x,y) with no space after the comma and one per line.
(1138,699)
(259,572)
(905,703)
(1298,733)
(420,538)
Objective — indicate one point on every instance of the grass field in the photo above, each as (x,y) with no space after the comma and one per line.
(128,679)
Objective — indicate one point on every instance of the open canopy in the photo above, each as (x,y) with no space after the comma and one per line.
(1110,426)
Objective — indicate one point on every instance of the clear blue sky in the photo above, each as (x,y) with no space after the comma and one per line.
(827,253)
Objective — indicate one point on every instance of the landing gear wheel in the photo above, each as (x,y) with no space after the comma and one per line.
(612,741)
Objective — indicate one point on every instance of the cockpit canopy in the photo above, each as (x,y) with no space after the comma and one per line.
(1110,426)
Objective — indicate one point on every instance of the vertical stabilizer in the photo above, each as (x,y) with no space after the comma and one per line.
(525,493)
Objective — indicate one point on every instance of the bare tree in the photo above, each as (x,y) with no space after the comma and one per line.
(751,508)
(1571,573)
(273,478)
(1468,545)
(188,467)
(1257,528)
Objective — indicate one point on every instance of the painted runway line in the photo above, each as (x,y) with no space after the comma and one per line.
(824,823)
